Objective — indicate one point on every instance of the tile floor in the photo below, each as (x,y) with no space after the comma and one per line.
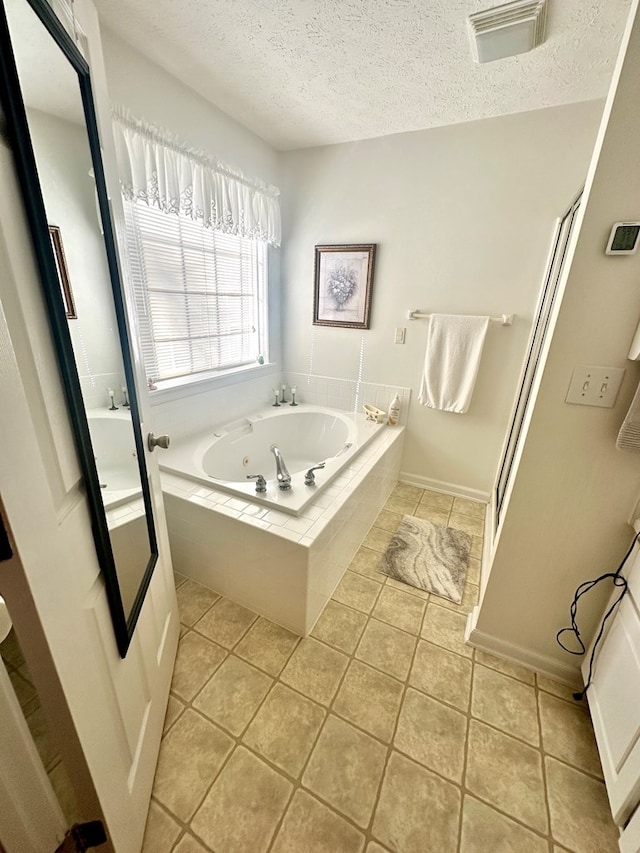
(382,731)
(39,726)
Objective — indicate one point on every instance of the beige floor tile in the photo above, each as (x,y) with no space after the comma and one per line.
(25,691)
(567,733)
(377,539)
(469,599)
(400,609)
(315,670)
(562,691)
(196,661)
(179,579)
(241,811)
(432,514)
(505,703)
(476,547)
(43,737)
(232,696)
(340,626)
(387,648)
(442,674)
(161,831)
(400,505)
(226,622)
(374,847)
(345,769)
(191,755)
(311,827)
(464,506)
(487,831)
(474,571)
(580,815)
(11,652)
(61,783)
(367,562)
(505,666)
(357,591)
(188,844)
(388,520)
(433,734)
(470,525)
(174,708)
(267,646)
(285,728)
(406,588)
(369,699)
(407,492)
(506,773)
(417,811)
(437,500)
(445,628)
(193,601)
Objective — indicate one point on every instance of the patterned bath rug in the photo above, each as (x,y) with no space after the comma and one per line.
(428,556)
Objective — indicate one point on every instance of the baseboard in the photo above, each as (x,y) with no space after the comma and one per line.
(543,664)
(454,489)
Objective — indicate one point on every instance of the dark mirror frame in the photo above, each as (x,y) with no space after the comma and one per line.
(17,130)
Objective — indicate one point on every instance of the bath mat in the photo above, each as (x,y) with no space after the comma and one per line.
(428,556)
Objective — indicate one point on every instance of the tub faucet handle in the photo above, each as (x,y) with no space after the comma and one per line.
(261,483)
(309,478)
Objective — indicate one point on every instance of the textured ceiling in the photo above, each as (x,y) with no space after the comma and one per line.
(300,73)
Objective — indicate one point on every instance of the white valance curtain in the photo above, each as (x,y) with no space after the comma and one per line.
(158,169)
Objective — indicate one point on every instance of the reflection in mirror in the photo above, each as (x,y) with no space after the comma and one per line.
(61,139)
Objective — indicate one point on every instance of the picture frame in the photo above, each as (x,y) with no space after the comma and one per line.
(63,272)
(343,285)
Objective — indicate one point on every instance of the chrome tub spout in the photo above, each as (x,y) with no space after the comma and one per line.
(282,475)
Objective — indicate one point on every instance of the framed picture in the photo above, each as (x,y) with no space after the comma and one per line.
(343,281)
(63,272)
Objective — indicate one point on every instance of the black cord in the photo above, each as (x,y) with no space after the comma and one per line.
(618,581)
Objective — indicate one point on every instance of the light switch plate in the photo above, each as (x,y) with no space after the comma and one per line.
(594,386)
(399,335)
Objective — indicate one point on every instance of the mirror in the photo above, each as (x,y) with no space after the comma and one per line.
(47,101)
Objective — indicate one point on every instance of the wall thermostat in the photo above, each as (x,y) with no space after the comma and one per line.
(623,239)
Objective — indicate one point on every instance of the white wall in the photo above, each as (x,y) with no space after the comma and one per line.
(463,217)
(574,492)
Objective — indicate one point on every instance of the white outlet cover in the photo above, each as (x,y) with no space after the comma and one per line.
(594,386)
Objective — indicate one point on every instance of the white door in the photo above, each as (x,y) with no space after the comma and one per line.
(107,711)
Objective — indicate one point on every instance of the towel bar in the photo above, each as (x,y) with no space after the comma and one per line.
(504,319)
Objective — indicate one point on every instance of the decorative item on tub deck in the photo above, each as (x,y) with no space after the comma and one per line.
(343,282)
(372,413)
(451,362)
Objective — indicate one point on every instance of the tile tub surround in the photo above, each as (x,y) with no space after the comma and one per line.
(281,566)
(327,745)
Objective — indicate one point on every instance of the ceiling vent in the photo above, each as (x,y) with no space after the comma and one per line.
(507,30)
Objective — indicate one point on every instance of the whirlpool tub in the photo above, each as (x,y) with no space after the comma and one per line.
(305,436)
(279,553)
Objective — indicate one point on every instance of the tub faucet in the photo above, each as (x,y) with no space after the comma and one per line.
(282,475)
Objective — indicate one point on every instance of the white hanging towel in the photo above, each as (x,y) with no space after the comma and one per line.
(451,362)
(629,435)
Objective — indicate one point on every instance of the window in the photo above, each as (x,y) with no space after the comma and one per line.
(201,295)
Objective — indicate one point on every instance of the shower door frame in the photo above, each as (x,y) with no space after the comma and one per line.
(532,363)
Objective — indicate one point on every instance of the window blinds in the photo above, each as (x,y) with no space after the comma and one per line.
(200,294)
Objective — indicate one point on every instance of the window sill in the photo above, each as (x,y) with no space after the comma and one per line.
(175,389)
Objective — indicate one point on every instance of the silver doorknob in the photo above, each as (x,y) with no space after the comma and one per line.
(157,441)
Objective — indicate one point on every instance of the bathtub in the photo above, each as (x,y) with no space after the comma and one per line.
(279,558)
(305,436)
(115,454)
